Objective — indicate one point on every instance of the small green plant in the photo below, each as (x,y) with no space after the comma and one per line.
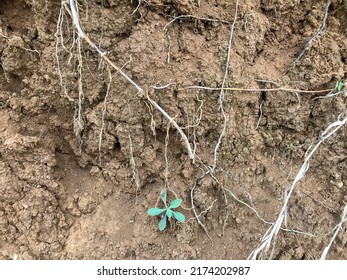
(340,86)
(167,212)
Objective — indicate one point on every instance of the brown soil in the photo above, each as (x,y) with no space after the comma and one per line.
(63,197)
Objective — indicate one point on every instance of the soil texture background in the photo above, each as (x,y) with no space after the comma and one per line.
(84,155)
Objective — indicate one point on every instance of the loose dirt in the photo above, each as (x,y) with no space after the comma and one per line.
(83,156)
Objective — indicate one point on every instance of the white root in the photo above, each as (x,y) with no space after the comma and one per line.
(75,18)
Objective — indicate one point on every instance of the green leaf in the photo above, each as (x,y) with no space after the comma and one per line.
(174,204)
(162,223)
(169,213)
(155,211)
(179,216)
(339,86)
(163,196)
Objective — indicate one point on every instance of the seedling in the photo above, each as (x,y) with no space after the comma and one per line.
(340,86)
(167,212)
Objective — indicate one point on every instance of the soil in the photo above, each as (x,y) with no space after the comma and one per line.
(64,194)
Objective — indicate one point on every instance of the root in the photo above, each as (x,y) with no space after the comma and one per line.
(337,228)
(193,17)
(321,29)
(135,178)
(178,128)
(103,112)
(195,212)
(167,165)
(79,123)
(329,208)
(60,41)
(272,232)
(236,198)
(225,220)
(166,172)
(221,95)
(260,89)
(5,74)
(150,108)
(208,209)
(250,206)
(138,5)
(73,13)
(196,122)
(260,114)
(332,93)
(4,36)
(153,124)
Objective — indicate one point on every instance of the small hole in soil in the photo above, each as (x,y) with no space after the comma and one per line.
(116,145)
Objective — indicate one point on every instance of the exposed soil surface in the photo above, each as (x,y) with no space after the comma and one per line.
(83,156)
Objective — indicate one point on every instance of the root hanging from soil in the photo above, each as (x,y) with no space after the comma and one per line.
(135,178)
(260,113)
(74,15)
(79,122)
(334,92)
(260,89)
(226,190)
(195,212)
(221,95)
(103,113)
(166,172)
(269,237)
(321,29)
(337,229)
(60,42)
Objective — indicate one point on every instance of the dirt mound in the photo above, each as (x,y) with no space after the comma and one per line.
(84,155)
